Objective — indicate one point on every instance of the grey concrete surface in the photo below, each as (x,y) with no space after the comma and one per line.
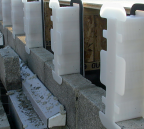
(89,103)
(22,112)
(20,48)
(10,69)
(10,39)
(36,60)
(137,123)
(65,95)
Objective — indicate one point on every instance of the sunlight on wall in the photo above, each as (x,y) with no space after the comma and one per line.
(125,3)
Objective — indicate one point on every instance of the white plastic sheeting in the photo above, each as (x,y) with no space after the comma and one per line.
(33,24)
(122,66)
(65,39)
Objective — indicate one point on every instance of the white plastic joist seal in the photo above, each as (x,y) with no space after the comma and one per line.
(57,120)
(112,12)
(54,4)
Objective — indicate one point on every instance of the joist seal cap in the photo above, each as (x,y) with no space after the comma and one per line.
(113,11)
(54,4)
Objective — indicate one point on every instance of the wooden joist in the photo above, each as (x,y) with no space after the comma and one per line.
(93,28)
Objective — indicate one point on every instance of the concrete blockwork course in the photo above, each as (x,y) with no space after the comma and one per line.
(10,69)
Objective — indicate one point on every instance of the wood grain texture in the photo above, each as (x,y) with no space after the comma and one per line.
(101,42)
(89,38)
(93,37)
(48,23)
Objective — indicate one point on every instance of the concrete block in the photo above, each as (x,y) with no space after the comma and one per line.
(10,69)
(36,60)
(66,93)
(4,124)
(46,105)
(89,103)
(20,48)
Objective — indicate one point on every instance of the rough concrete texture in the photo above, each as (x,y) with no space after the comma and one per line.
(67,91)
(21,106)
(36,60)
(4,124)
(89,103)
(10,69)
(137,123)
(18,44)
(20,48)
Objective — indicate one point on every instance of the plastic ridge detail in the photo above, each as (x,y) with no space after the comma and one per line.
(122,65)
(65,40)
(33,24)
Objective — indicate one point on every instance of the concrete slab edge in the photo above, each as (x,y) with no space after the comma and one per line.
(44,103)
